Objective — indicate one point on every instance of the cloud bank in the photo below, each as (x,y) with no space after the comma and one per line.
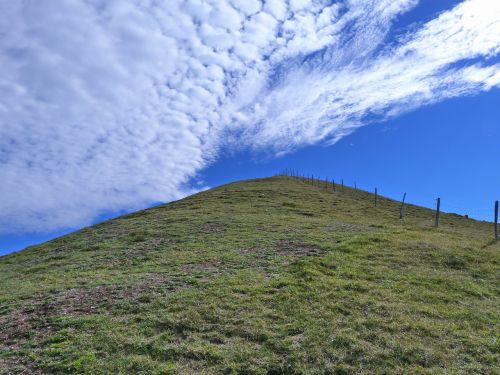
(106,105)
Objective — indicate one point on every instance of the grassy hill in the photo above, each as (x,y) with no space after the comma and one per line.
(267,276)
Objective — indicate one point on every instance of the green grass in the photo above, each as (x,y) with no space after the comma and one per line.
(268,276)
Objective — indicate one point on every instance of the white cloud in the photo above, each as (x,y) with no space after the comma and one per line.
(247,7)
(106,105)
(276,8)
(421,70)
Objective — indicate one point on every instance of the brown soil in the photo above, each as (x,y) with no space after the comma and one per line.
(285,248)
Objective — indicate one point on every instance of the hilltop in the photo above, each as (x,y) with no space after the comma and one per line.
(266,276)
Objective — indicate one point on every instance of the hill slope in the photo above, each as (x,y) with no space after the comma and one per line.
(264,276)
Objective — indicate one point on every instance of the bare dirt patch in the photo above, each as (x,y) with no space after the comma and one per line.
(212,227)
(285,248)
(296,249)
(31,320)
(349,227)
(22,366)
(87,300)
(152,243)
(205,267)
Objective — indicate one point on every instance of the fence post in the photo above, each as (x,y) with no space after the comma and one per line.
(496,221)
(355,186)
(375,197)
(438,207)
(333,184)
(342,189)
(402,206)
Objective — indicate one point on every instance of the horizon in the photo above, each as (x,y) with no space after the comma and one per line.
(162,101)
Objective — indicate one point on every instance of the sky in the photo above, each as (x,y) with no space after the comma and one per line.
(108,106)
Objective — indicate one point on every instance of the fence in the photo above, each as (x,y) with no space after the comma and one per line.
(326,183)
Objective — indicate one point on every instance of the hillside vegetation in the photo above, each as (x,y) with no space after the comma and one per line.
(267,276)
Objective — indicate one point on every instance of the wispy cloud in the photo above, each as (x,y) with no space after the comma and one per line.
(106,105)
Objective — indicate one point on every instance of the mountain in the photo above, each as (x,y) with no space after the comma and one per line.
(265,276)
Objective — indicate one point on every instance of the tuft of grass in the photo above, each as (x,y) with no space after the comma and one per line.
(266,276)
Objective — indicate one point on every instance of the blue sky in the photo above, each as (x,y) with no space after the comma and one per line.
(400,95)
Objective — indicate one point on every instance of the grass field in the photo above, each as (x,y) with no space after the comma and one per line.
(268,276)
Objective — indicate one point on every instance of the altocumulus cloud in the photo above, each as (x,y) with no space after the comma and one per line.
(106,105)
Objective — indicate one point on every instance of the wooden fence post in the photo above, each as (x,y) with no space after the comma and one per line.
(342,188)
(375,197)
(496,221)
(438,207)
(402,206)
(333,184)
